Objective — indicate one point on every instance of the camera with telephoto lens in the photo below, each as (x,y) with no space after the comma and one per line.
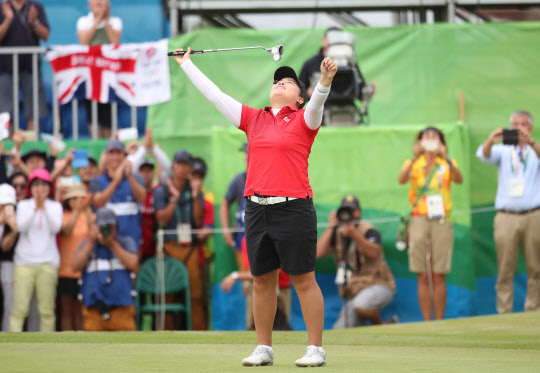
(105,230)
(345,214)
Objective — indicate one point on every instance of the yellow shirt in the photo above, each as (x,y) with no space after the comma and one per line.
(440,183)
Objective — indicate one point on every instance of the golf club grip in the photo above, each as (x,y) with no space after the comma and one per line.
(184,52)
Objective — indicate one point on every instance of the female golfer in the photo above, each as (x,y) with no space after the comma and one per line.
(280,220)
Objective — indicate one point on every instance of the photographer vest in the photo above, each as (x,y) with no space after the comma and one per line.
(364,271)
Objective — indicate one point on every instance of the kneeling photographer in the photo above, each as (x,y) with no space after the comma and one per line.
(364,279)
(106,261)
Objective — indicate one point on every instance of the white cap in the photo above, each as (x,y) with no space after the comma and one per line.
(7,195)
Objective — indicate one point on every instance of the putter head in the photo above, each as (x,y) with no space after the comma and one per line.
(276,52)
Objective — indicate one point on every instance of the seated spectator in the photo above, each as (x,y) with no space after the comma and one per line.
(120,190)
(281,321)
(75,229)
(8,238)
(22,23)
(36,259)
(106,260)
(98,27)
(179,207)
(364,279)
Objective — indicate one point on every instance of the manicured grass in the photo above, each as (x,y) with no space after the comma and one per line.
(508,343)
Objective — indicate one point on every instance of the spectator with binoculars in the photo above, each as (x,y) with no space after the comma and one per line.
(364,279)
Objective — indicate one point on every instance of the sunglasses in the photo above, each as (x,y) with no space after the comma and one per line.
(19,185)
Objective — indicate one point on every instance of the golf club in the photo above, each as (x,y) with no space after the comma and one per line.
(275,52)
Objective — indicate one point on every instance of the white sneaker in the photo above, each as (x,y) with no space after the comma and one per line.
(314,357)
(262,355)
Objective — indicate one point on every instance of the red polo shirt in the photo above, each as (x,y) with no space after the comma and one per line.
(278,152)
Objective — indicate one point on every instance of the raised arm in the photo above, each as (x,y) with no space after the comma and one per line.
(229,107)
(315,107)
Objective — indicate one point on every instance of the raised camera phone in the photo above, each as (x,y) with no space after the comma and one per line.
(510,137)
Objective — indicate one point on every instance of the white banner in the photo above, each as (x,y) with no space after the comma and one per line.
(136,73)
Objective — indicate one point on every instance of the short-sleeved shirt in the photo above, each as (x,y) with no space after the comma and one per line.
(105,278)
(440,183)
(511,165)
(100,37)
(183,213)
(278,152)
(21,33)
(124,205)
(235,193)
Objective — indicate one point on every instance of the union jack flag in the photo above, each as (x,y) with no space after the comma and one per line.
(135,74)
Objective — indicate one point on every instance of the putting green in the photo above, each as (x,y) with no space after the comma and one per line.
(508,343)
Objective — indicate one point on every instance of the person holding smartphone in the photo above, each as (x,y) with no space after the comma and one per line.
(518,207)
(431,232)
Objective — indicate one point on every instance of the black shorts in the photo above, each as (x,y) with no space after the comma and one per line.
(281,235)
(104,114)
(68,286)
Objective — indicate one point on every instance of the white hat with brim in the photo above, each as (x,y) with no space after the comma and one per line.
(7,195)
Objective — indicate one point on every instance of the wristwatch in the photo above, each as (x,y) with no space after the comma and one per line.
(36,23)
(234,275)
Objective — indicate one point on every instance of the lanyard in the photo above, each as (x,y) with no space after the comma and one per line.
(515,162)
(183,215)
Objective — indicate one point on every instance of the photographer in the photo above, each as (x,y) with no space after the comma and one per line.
(364,279)
(431,231)
(310,73)
(106,261)
(518,203)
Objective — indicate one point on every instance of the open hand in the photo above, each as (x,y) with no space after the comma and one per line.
(32,14)
(6,9)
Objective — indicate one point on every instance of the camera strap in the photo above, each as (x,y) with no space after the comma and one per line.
(405,218)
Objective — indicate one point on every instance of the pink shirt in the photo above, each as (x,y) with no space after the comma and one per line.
(278,152)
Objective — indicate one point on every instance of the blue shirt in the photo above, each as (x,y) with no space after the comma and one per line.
(105,278)
(235,192)
(124,205)
(512,166)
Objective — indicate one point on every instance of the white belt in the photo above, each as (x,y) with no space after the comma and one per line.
(269,200)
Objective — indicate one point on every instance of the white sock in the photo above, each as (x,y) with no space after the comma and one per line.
(269,347)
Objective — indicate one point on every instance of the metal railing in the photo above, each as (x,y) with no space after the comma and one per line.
(15,52)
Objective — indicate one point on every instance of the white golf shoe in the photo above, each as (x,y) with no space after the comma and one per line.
(262,355)
(314,357)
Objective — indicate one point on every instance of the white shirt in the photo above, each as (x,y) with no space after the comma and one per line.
(37,233)
(86,22)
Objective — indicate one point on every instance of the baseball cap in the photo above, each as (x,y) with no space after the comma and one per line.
(7,195)
(288,72)
(105,216)
(115,145)
(244,147)
(34,153)
(199,166)
(183,156)
(147,162)
(41,174)
(351,201)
